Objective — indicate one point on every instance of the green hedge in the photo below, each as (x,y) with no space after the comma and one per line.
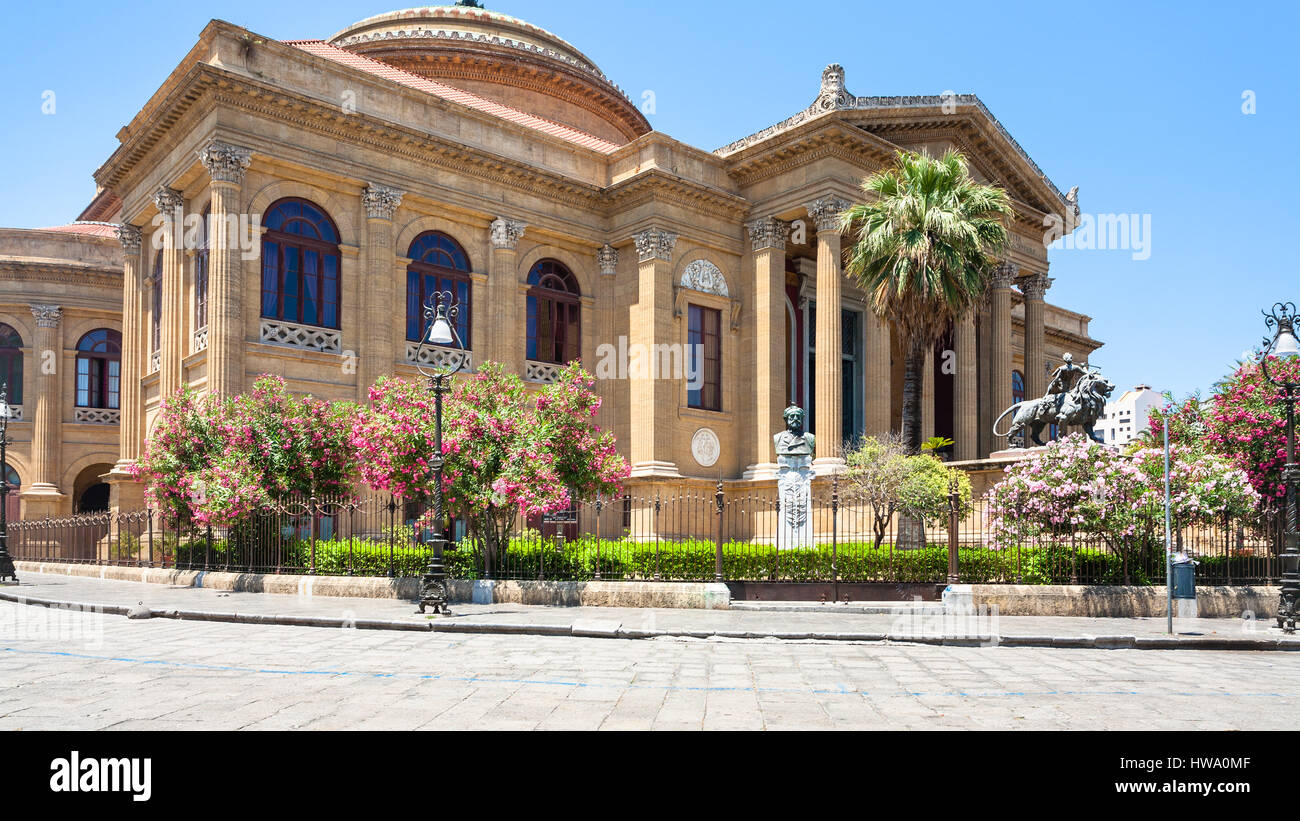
(579,559)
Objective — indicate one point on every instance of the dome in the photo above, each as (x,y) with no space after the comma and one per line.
(502,58)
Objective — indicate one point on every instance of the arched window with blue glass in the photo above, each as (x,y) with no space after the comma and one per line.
(554,325)
(99,369)
(300,265)
(11,363)
(438,263)
(1017,386)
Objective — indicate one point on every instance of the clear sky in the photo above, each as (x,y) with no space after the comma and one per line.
(1139,104)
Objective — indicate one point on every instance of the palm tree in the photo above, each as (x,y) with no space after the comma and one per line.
(923,246)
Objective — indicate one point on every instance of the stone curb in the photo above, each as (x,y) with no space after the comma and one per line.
(613,630)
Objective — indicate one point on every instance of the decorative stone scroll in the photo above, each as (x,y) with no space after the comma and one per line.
(130,237)
(506,233)
(225,162)
(825,212)
(768,232)
(655,243)
(168,202)
(702,275)
(47,316)
(381,201)
(1035,286)
(1004,276)
(607,257)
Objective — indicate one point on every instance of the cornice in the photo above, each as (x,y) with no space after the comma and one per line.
(34,271)
(659,186)
(807,144)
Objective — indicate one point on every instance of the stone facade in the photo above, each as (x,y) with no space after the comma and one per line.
(399,127)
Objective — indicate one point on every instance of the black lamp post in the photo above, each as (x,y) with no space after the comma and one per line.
(440,315)
(1283,345)
(7,570)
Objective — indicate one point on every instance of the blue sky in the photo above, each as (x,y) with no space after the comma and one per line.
(1139,104)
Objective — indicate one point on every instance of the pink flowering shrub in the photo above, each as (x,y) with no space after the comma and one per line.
(508,451)
(1078,487)
(1244,421)
(216,462)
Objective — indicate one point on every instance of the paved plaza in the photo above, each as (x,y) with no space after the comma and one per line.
(85,671)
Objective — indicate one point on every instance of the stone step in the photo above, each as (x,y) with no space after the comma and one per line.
(875,608)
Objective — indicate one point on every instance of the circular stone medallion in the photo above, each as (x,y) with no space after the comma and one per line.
(705,447)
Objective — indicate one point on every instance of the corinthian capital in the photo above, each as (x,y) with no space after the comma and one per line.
(381,201)
(225,162)
(655,243)
(168,202)
(130,237)
(506,233)
(1004,275)
(825,212)
(768,232)
(1035,286)
(47,316)
(607,256)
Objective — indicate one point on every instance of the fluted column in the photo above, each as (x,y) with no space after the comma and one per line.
(226,165)
(654,401)
(768,237)
(379,328)
(503,315)
(131,424)
(607,259)
(927,395)
(171,206)
(42,498)
(878,375)
(829,407)
(965,396)
(1034,287)
(984,341)
(1000,315)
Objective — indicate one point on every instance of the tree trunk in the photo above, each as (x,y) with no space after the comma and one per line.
(914,364)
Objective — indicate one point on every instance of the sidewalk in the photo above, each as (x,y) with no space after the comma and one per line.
(811,622)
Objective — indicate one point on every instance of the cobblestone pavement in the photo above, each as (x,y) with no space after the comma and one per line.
(85,671)
(822,619)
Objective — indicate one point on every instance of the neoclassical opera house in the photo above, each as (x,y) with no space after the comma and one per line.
(286,207)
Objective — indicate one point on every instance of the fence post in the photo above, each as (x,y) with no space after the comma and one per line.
(311,529)
(658,577)
(835,536)
(717,553)
(599,505)
(954,501)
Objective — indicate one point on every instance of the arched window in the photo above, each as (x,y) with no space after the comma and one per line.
(1017,386)
(554,330)
(11,477)
(11,363)
(438,263)
(155,312)
(201,273)
(99,369)
(300,265)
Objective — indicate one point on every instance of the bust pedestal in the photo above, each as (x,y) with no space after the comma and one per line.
(794,477)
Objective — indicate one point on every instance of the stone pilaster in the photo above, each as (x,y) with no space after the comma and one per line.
(654,401)
(829,406)
(878,376)
(768,237)
(376,335)
(1034,287)
(226,165)
(607,260)
(965,397)
(927,395)
(42,497)
(984,335)
(1000,320)
(171,206)
(124,492)
(505,299)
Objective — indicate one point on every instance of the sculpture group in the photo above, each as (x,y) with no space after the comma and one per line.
(1076,396)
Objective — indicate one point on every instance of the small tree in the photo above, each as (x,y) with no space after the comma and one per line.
(890,481)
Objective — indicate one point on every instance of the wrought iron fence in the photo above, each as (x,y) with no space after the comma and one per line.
(673,533)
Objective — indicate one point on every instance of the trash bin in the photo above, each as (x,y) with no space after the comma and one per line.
(1184,578)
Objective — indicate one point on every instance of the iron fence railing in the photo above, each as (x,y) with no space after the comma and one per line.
(674,533)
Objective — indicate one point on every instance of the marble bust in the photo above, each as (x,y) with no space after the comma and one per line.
(793,441)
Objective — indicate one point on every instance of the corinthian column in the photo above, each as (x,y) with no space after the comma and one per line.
(1034,287)
(768,237)
(965,396)
(378,351)
(226,165)
(43,498)
(1000,314)
(171,206)
(829,407)
(502,313)
(124,492)
(654,400)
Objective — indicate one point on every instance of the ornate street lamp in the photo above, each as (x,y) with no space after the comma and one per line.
(440,315)
(1283,345)
(7,570)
